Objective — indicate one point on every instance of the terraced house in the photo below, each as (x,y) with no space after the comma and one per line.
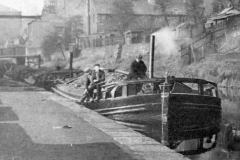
(146,18)
(100,11)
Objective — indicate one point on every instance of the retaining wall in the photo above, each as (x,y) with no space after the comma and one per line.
(135,49)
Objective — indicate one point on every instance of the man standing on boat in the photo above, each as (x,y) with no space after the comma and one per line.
(138,69)
(94,81)
(97,79)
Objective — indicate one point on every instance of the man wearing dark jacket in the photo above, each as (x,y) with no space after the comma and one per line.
(95,81)
(138,69)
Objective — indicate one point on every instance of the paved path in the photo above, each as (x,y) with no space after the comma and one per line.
(31,121)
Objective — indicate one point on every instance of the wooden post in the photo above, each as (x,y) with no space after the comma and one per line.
(151,59)
(189,54)
(71,64)
(203,53)
(88,17)
(225,34)
(28,62)
(194,57)
(200,144)
(165,88)
(39,61)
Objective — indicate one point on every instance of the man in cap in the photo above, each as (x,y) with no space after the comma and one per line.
(98,75)
(94,82)
(97,79)
(137,69)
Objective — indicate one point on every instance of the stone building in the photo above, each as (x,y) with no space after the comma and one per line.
(101,10)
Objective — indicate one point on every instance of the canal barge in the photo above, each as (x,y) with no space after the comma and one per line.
(184,108)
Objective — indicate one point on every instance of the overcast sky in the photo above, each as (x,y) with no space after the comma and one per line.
(28,7)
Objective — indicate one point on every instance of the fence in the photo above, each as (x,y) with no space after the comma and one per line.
(218,41)
(90,42)
(13,51)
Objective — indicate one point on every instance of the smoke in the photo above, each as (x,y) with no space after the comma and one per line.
(165,42)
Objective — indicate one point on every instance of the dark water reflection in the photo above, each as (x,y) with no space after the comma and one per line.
(228,147)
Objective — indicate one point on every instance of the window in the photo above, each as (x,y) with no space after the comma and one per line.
(142,88)
(52,2)
(209,90)
(118,91)
(183,87)
(101,18)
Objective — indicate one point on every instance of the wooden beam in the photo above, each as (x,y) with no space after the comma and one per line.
(151,54)
(193,53)
(71,63)
(17,56)
(150,15)
(203,53)
(19,17)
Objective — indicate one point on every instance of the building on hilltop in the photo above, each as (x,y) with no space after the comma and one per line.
(101,10)
(213,7)
(101,32)
(225,29)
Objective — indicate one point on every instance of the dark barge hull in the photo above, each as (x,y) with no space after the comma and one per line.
(188,116)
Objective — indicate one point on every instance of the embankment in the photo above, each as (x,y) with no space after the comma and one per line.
(222,69)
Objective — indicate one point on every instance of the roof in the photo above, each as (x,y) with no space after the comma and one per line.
(141,7)
(133,30)
(228,12)
(161,80)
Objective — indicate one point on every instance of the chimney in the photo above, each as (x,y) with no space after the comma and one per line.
(152,2)
(151,54)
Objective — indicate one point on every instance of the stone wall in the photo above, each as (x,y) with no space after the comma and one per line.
(135,49)
(220,57)
(109,52)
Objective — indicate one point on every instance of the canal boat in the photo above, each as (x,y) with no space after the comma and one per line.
(184,108)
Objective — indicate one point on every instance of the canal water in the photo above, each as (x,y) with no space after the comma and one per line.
(228,140)
(228,144)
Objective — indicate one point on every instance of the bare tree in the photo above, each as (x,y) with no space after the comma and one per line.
(234,3)
(51,43)
(149,23)
(49,10)
(144,23)
(163,6)
(195,9)
(217,6)
(73,29)
(60,38)
(122,17)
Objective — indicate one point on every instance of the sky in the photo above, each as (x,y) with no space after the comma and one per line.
(28,7)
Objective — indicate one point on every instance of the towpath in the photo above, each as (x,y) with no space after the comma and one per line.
(39,125)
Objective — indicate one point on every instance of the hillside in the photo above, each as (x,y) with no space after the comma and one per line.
(225,72)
